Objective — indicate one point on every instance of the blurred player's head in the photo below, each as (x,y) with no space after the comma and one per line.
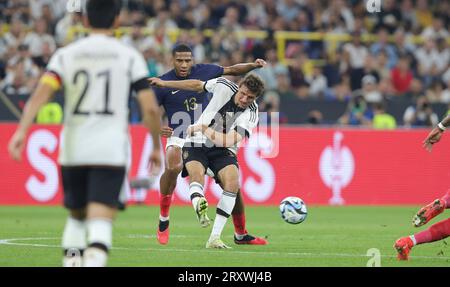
(250,88)
(182,60)
(103,14)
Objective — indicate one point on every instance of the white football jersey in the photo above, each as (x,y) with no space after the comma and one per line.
(96,73)
(222,114)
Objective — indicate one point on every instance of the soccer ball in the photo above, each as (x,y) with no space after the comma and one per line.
(293,210)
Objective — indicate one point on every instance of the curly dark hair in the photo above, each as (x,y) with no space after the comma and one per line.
(254,83)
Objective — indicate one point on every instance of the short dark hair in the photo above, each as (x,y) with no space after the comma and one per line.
(102,13)
(181,48)
(254,83)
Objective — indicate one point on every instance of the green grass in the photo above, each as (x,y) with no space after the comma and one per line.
(330,236)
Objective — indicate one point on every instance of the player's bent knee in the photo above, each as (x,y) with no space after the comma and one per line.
(197,177)
(231,185)
(174,170)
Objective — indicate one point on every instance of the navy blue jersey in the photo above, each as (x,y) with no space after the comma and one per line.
(187,106)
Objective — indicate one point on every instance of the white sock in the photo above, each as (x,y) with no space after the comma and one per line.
(73,241)
(100,231)
(99,236)
(239,236)
(162,218)
(413,240)
(195,189)
(224,209)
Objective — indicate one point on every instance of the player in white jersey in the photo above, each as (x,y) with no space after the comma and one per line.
(96,74)
(212,142)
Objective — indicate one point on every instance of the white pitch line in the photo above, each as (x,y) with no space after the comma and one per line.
(10,241)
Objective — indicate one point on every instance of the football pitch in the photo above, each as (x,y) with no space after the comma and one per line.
(330,236)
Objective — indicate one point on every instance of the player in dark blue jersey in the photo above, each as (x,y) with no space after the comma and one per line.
(182,109)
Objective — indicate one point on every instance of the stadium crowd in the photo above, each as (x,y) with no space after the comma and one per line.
(408,56)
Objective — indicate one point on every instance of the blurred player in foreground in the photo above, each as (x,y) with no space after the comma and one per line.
(181,106)
(96,73)
(437,231)
(212,141)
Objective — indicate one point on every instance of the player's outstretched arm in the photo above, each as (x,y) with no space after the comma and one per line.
(41,95)
(219,139)
(243,68)
(190,85)
(435,135)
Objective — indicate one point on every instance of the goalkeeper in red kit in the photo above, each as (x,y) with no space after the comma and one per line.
(438,230)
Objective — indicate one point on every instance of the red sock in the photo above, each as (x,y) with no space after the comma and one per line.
(436,232)
(239,223)
(164,204)
(446,199)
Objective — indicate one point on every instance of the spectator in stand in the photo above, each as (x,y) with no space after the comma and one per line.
(270,110)
(284,87)
(49,16)
(420,115)
(423,14)
(416,90)
(381,66)
(358,113)
(297,75)
(355,54)
(446,75)
(214,48)
(338,11)
(332,68)
(435,93)
(318,83)
(427,60)
(23,56)
(136,36)
(268,73)
(230,22)
(443,51)
(341,92)
(69,21)
(334,24)
(389,18)
(437,29)
(42,60)
(402,76)
(159,40)
(315,117)
(200,12)
(257,14)
(18,84)
(443,6)
(370,90)
(162,20)
(382,44)
(36,39)
(403,47)
(446,94)
(408,12)
(184,19)
(288,9)
(15,36)
(381,119)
